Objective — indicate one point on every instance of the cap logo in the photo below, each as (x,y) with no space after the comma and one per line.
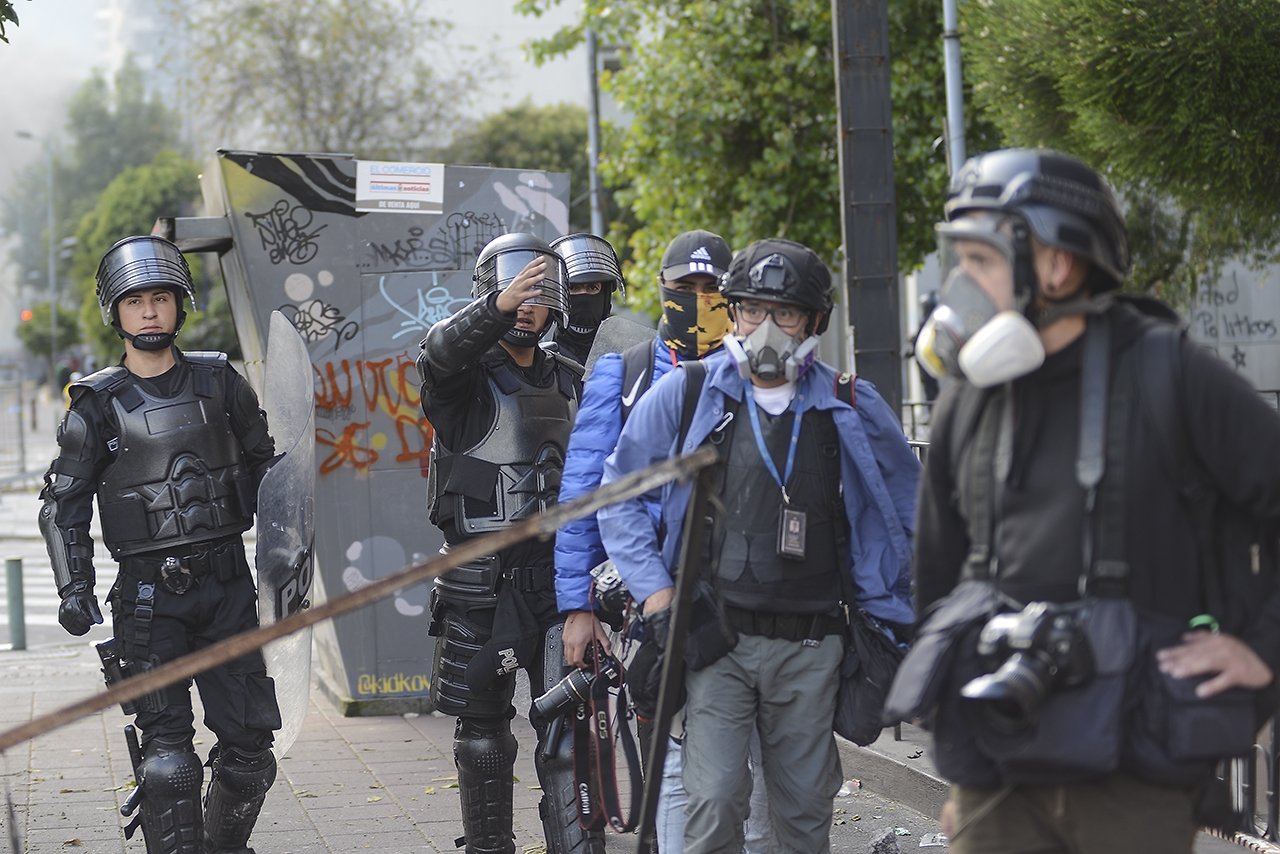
(700,254)
(701,267)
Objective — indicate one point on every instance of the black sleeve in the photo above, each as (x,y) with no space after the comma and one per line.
(942,538)
(249,424)
(1236,436)
(72,480)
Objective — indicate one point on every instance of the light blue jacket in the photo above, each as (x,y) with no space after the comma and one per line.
(595,432)
(879,474)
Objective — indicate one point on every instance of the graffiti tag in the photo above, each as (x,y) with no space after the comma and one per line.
(284,233)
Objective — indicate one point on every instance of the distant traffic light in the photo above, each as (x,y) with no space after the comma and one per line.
(26,314)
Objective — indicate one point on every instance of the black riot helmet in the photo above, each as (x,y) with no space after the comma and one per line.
(780,270)
(1065,203)
(589,258)
(501,261)
(138,263)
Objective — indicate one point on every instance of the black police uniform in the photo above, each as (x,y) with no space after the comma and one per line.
(501,431)
(175,462)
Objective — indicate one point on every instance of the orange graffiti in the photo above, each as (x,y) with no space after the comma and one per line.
(328,396)
(377,370)
(345,449)
(404,425)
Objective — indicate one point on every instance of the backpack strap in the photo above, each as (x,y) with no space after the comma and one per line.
(846,389)
(1159,367)
(637,375)
(695,374)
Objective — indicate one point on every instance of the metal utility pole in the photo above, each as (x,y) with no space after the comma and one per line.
(955,86)
(593,134)
(869,287)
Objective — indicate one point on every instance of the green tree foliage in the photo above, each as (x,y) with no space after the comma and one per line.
(130,205)
(111,128)
(553,138)
(7,13)
(34,334)
(1173,99)
(379,78)
(734,122)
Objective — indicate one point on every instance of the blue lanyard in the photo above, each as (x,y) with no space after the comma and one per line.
(764,452)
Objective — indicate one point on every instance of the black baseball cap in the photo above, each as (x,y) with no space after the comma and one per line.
(696,251)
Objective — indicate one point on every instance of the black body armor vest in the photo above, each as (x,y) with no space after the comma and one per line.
(514,472)
(750,572)
(179,475)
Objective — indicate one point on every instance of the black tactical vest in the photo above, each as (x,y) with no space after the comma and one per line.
(514,471)
(750,572)
(179,475)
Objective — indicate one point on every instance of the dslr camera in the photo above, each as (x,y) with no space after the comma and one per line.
(611,595)
(575,689)
(1041,648)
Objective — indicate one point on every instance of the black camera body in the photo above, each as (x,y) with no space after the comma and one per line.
(611,595)
(1043,647)
(575,689)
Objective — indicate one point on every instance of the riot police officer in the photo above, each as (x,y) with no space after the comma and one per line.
(502,408)
(594,277)
(174,445)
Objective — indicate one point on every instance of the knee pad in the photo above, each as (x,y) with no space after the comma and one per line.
(236,792)
(485,748)
(458,642)
(171,778)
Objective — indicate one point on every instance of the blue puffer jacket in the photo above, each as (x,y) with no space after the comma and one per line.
(595,432)
(878,470)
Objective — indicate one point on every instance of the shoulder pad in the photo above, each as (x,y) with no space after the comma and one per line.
(212,358)
(846,389)
(104,379)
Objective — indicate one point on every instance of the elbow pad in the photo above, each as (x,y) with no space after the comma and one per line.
(70,549)
(460,340)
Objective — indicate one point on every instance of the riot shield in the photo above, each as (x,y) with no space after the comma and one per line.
(615,335)
(286,507)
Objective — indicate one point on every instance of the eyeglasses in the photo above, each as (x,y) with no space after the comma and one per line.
(784,315)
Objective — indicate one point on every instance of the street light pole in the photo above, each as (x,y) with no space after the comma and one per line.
(53,262)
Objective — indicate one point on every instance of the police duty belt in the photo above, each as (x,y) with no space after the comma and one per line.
(543,525)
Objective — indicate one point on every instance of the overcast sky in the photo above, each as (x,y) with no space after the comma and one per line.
(48,56)
(57,45)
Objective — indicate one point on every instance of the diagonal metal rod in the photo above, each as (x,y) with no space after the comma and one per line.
(544,526)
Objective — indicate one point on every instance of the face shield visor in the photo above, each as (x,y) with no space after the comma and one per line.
(501,268)
(979,330)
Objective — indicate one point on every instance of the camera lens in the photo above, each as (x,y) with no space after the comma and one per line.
(572,690)
(1014,692)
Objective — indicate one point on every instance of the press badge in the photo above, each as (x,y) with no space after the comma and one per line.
(791,531)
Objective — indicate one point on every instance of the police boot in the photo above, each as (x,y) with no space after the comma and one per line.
(236,791)
(171,776)
(485,753)
(559,805)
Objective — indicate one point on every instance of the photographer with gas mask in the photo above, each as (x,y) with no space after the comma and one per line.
(817,497)
(1083,658)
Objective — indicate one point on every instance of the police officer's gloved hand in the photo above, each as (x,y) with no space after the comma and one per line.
(79,609)
(644,676)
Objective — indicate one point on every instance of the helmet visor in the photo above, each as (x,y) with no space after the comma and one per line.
(498,271)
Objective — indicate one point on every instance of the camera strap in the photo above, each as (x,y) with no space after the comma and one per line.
(1105,410)
(595,767)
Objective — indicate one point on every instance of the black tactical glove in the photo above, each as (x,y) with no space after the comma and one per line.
(644,676)
(79,609)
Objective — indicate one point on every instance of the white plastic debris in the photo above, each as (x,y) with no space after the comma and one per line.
(849,787)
